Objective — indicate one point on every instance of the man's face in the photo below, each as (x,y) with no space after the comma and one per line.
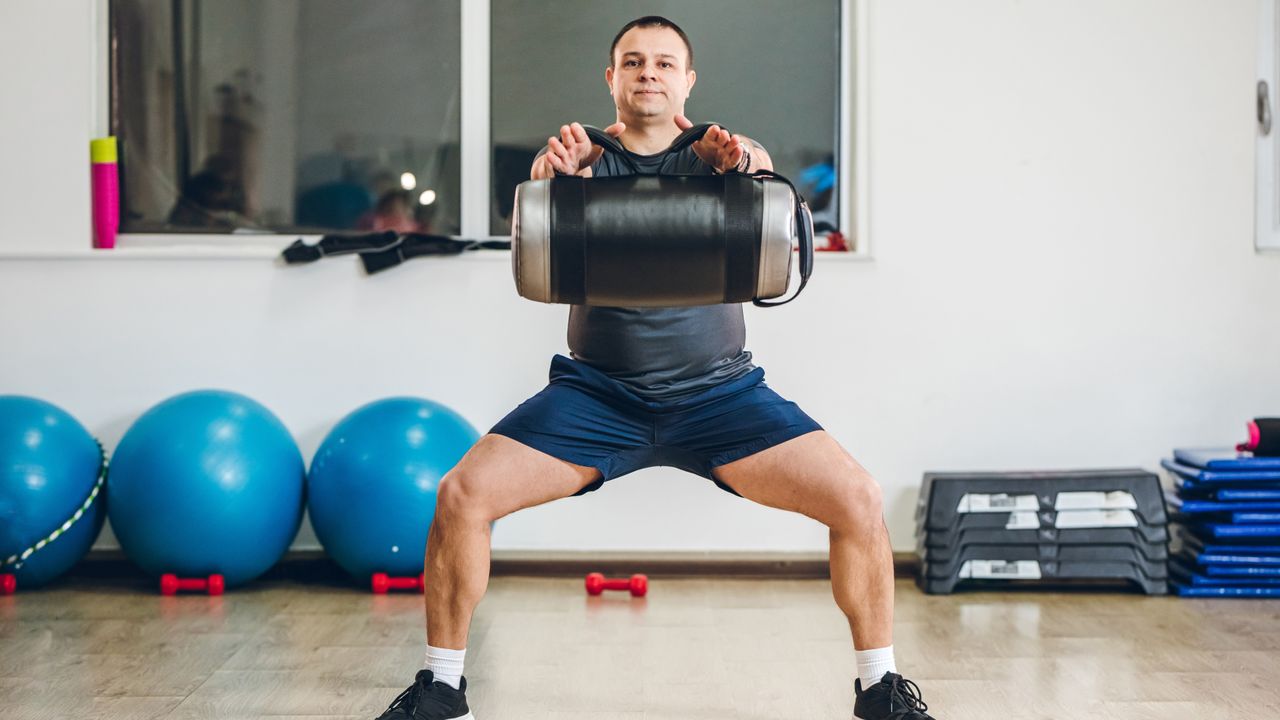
(650,75)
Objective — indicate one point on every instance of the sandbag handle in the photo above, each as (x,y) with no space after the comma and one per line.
(611,144)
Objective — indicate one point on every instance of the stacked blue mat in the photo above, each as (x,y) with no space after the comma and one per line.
(1225,539)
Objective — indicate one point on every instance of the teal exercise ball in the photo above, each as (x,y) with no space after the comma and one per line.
(207,482)
(372,485)
(49,466)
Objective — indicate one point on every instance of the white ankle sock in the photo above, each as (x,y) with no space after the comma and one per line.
(446,665)
(873,664)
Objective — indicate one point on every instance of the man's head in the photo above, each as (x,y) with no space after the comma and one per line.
(650,69)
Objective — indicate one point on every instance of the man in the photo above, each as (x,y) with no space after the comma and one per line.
(656,386)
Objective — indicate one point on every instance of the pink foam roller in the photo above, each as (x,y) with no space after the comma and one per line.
(106,192)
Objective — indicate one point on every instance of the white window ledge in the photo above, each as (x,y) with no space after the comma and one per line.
(256,247)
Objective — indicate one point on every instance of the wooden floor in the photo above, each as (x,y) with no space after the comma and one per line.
(694,649)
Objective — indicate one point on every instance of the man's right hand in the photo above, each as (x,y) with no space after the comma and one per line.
(573,150)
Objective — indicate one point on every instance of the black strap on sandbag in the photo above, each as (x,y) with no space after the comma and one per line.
(569,227)
(741,237)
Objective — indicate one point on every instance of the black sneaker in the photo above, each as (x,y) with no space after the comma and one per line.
(427,699)
(893,698)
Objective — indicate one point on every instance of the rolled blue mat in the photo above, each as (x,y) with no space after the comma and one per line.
(1189,540)
(1194,579)
(1213,506)
(1224,591)
(1214,549)
(1187,487)
(1182,574)
(1220,559)
(1266,473)
(1249,495)
(1255,518)
(1240,571)
(1219,531)
(1224,459)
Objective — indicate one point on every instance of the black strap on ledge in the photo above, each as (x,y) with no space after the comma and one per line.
(382,250)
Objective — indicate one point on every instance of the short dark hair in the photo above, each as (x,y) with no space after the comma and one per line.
(652,21)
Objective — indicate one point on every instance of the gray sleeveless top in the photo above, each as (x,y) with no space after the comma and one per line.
(661,354)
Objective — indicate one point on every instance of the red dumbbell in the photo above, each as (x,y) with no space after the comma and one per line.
(637,584)
(8,584)
(170,584)
(383,582)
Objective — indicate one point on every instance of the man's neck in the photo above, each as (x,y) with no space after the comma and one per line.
(649,138)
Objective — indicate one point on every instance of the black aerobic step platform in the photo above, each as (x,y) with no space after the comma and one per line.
(945,559)
(943,495)
(1072,554)
(993,574)
(1143,534)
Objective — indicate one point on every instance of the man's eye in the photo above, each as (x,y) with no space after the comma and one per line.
(632,62)
(666,65)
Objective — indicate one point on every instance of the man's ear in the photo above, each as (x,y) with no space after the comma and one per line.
(608,78)
(693,78)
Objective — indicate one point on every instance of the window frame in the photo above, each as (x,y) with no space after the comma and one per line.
(475,132)
(1266,232)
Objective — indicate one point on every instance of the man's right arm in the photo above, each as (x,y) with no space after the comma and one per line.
(542,169)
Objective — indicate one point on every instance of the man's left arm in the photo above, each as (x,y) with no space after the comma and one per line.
(726,152)
(754,157)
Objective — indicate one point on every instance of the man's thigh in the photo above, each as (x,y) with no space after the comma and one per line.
(506,475)
(810,474)
(576,420)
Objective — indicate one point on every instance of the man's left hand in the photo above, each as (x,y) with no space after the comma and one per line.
(718,147)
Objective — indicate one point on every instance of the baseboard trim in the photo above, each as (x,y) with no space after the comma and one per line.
(736,565)
(525,563)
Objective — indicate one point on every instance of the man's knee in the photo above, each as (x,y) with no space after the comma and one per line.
(462,494)
(861,505)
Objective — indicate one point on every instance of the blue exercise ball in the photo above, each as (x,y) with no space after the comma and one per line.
(372,486)
(49,466)
(207,482)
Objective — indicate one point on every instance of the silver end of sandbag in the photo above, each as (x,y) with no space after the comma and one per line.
(777,236)
(531,240)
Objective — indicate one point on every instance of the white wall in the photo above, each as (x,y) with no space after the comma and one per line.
(45,123)
(1061,214)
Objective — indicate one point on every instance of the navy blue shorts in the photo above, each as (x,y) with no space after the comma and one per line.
(587,418)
